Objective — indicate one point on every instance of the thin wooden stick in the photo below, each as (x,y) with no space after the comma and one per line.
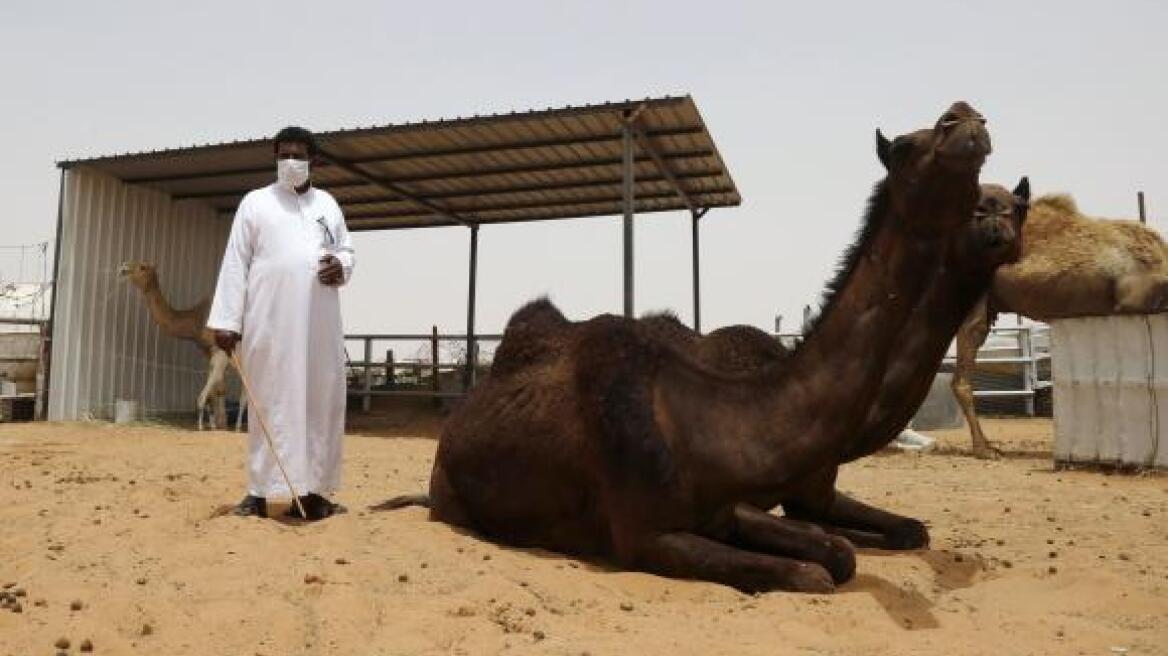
(259,413)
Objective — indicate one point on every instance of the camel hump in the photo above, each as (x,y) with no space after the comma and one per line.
(1059,203)
(536,314)
(666,326)
(531,336)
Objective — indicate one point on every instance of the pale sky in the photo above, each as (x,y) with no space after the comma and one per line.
(792,93)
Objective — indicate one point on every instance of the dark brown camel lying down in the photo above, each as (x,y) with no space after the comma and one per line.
(599,439)
(992,237)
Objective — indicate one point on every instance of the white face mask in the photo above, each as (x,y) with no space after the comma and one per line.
(292,173)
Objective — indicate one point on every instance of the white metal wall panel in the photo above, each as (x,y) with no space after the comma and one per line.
(106,346)
(1110,389)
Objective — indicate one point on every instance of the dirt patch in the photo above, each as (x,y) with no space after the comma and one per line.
(1024,560)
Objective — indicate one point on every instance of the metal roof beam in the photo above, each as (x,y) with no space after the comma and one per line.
(475,173)
(365,224)
(391,187)
(537,188)
(527,205)
(422,154)
(644,140)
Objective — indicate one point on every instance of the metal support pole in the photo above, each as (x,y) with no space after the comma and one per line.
(47,334)
(1029,368)
(627,195)
(367,385)
(1143,214)
(471,355)
(434,371)
(697,279)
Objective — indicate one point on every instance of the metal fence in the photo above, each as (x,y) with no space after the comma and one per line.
(437,367)
(1012,366)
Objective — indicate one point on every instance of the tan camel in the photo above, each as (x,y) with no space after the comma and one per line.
(1071,266)
(191,325)
(596,438)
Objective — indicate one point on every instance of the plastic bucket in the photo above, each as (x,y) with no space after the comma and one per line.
(125,411)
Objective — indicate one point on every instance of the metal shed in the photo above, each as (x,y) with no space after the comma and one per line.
(174,207)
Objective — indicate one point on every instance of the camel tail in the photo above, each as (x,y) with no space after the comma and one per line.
(403,501)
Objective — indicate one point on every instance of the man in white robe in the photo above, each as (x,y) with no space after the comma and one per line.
(277,298)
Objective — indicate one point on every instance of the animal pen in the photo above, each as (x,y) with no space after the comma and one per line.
(174,208)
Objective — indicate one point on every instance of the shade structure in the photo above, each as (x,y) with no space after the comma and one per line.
(521,166)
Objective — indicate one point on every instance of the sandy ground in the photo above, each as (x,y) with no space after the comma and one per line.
(1025,560)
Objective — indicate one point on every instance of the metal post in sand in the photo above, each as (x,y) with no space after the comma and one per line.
(259,413)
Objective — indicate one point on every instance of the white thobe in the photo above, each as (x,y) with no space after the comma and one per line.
(292,345)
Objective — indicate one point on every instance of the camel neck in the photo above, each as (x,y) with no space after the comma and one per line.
(815,408)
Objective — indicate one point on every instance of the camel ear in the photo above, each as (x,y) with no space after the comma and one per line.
(1022,191)
(1022,195)
(883,148)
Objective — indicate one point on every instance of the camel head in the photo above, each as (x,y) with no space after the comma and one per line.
(140,274)
(929,168)
(993,236)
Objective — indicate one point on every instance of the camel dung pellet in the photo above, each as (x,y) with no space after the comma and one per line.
(403,578)
(40,603)
(423,566)
(1052,570)
(626,606)
(141,580)
(957,558)
(146,630)
(76,605)
(341,561)
(1124,556)
(61,643)
(486,556)
(1007,564)
(1053,554)
(312,578)
(86,645)
(529,611)
(538,635)
(1060,633)
(17,608)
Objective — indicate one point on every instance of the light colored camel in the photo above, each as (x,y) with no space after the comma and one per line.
(191,325)
(1071,266)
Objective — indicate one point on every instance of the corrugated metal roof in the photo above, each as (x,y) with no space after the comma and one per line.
(520,166)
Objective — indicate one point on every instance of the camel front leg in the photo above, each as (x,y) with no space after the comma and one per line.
(970,337)
(817,501)
(239,413)
(216,389)
(868,526)
(761,531)
(690,556)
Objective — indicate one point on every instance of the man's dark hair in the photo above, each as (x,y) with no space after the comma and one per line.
(295,134)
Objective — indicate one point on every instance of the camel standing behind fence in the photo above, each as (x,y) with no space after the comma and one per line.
(189,324)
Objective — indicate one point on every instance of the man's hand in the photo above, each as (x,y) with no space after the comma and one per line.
(226,340)
(330,272)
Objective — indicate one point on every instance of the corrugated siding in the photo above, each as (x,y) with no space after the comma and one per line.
(106,346)
(1111,389)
